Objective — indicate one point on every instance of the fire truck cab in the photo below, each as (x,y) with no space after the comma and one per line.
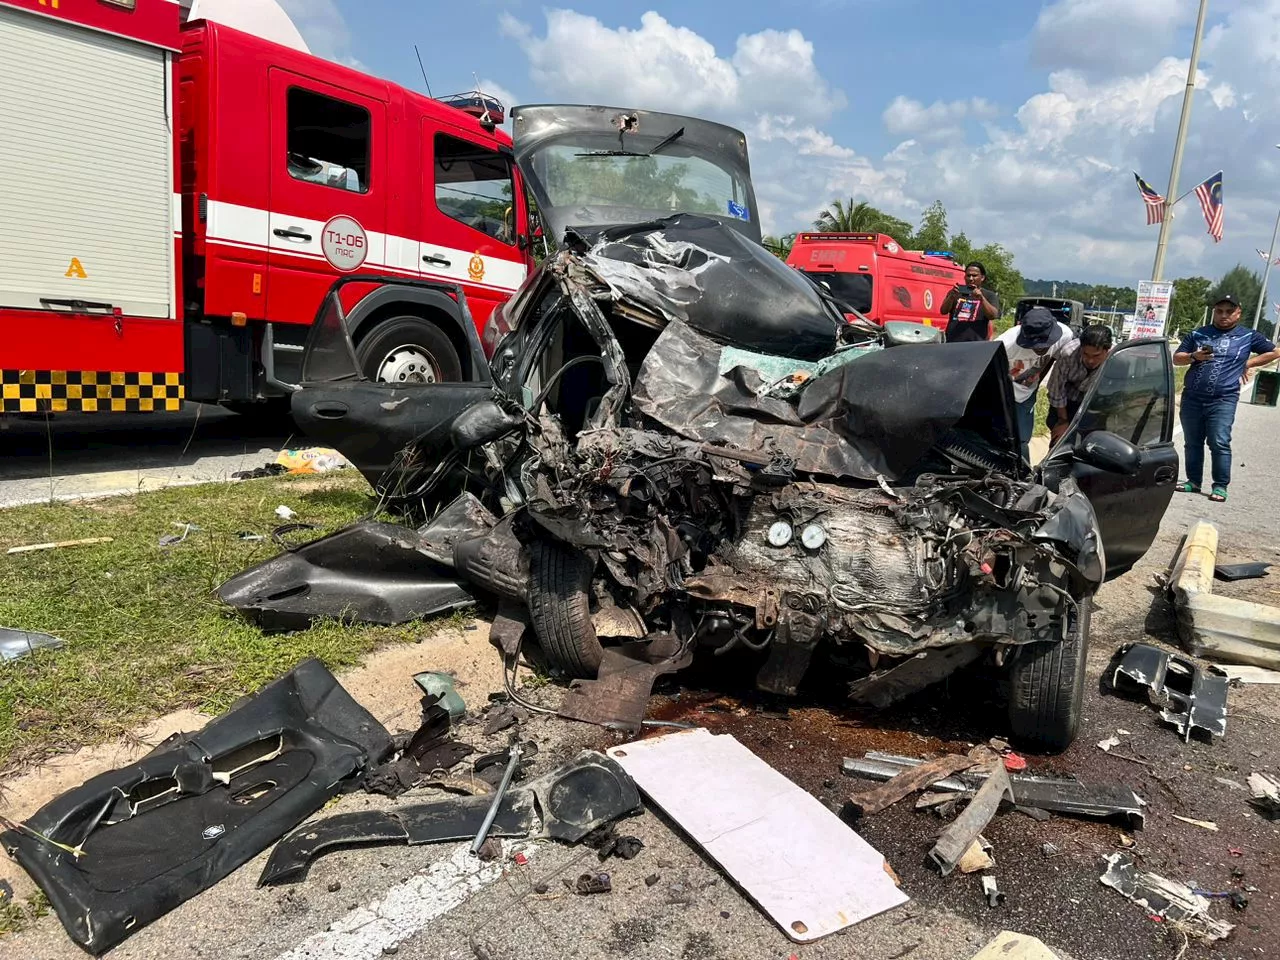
(873,274)
(181,194)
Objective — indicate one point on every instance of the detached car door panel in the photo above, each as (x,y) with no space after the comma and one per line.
(1133,399)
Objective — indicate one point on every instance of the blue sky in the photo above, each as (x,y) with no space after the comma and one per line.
(1024,118)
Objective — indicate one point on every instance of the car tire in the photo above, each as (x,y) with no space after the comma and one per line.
(408,350)
(559,605)
(1046,687)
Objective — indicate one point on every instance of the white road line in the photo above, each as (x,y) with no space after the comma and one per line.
(364,933)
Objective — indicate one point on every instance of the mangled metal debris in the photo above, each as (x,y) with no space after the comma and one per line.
(1102,801)
(128,846)
(18,643)
(1173,901)
(964,830)
(568,803)
(1231,572)
(873,800)
(772,838)
(1190,698)
(995,897)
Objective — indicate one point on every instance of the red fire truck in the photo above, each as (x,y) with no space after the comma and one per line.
(874,275)
(178,195)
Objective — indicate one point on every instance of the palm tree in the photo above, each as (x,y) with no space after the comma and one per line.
(780,247)
(850,217)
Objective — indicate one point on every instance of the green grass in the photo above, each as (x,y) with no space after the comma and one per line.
(16,917)
(144,633)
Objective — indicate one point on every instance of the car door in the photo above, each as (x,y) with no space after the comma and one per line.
(1132,398)
(370,423)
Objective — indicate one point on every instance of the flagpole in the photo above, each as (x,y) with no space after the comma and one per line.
(1183,123)
(1266,273)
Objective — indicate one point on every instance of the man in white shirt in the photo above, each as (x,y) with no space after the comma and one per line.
(1032,347)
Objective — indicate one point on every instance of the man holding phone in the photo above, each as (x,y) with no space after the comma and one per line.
(1220,361)
(971,307)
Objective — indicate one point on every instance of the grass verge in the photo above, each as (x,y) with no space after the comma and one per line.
(144,633)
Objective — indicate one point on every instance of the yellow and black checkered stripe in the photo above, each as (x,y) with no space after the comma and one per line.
(62,391)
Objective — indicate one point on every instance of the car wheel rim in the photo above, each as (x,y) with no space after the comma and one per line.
(408,364)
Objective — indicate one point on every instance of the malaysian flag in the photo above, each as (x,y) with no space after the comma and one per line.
(1209,194)
(1153,200)
(1263,255)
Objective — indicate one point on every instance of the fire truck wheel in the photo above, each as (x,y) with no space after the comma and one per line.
(408,350)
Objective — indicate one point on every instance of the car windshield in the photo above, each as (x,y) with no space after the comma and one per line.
(853,289)
(663,183)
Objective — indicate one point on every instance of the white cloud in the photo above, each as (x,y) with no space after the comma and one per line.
(941,120)
(660,66)
(322,25)
(1106,36)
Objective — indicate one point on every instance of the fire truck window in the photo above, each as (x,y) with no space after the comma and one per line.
(474,186)
(328,141)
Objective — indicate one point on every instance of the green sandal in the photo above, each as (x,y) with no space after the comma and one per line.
(1219,495)
(1188,487)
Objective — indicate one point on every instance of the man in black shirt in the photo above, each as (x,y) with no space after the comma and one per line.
(971,307)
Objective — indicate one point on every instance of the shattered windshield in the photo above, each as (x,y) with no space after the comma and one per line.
(664,183)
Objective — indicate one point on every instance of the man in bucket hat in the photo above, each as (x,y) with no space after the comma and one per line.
(1220,361)
(1032,347)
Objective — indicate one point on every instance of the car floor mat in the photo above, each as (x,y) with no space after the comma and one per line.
(129,845)
(368,572)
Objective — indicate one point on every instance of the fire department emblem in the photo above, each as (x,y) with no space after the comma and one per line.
(928,299)
(892,247)
(475,268)
(344,243)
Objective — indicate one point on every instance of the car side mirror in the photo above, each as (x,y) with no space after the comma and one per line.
(481,424)
(1108,451)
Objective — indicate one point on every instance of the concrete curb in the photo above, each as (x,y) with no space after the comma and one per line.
(1219,628)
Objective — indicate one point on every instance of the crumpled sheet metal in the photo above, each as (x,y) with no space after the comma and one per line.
(571,801)
(618,697)
(1176,902)
(875,417)
(368,572)
(1101,801)
(1190,698)
(19,643)
(158,832)
(950,847)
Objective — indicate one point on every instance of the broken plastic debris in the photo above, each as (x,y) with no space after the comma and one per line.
(1015,762)
(441,685)
(311,460)
(1190,699)
(1107,744)
(1239,571)
(1015,946)
(1205,824)
(1163,899)
(955,840)
(590,883)
(172,539)
(18,643)
(284,513)
(1265,790)
(992,892)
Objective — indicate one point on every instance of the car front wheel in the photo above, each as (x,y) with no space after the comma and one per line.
(1046,688)
(560,607)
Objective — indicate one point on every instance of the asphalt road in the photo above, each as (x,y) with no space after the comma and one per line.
(435,903)
(76,455)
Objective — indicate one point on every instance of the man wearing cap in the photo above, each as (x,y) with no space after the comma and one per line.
(1032,346)
(1220,361)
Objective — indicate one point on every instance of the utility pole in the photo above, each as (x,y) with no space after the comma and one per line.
(1185,120)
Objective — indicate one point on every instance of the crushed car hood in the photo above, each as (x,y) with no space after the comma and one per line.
(595,166)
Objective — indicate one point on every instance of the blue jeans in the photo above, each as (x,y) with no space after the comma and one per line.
(1026,411)
(1208,420)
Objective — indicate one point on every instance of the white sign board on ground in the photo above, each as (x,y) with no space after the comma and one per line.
(796,859)
(1153,308)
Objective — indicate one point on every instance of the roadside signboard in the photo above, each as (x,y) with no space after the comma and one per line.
(1153,308)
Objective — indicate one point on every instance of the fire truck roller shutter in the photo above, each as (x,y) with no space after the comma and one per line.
(410,335)
(86,158)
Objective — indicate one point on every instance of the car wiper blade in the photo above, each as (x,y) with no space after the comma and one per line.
(611,153)
(666,142)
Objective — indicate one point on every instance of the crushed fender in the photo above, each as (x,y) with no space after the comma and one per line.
(1189,698)
(1173,901)
(128,846)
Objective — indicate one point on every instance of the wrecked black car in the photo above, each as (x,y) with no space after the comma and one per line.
(678,439)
